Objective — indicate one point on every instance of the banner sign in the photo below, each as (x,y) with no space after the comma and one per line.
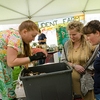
(55,22)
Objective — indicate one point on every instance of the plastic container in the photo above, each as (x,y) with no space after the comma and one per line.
(54,82)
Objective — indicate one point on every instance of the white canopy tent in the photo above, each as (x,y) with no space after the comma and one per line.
(16,11)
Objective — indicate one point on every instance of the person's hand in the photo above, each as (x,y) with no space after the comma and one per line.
(70,64)
(37,56)
(79,68)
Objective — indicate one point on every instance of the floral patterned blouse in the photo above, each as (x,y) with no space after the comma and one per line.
(9,38)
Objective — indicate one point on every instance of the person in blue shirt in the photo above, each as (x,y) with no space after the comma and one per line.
(92,32)
(41,38)
(42,42)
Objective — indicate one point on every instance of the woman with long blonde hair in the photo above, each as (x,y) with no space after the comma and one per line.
(77,53)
